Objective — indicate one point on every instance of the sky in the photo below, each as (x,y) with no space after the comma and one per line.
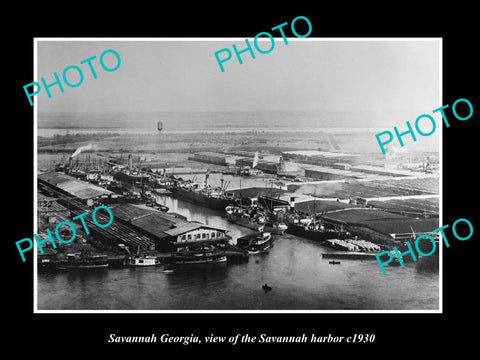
(311,74)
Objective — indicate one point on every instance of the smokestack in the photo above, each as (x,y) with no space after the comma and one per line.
(292,203)
(69,165)
(130,162)
(207,175)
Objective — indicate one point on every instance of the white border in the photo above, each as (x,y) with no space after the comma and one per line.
(35,108)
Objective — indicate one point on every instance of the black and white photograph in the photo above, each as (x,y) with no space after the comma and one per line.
(220,181)
(258,188)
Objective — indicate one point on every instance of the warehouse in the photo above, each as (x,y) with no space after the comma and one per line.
(263,165)
(80,189)
(166,229)
(377,170)
(327,173)
(119,231)
(215,158)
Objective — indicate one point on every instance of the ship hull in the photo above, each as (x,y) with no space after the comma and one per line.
(143,261)
(250,224)
(127,177)
(92,262)
(192,260)
(67,266)
(319,236)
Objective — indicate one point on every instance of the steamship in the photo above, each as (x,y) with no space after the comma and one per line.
(202,194)
(83,261)
(208,197)
(254,220)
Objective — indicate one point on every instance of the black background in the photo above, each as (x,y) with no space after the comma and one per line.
(405,334)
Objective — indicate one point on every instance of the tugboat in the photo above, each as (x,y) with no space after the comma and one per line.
(203,194)
(145,260)
(142,260)
(256,242)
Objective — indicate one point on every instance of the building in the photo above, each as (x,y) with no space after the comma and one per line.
(191,235)
(289,168)
(328,173)
(78,188)
(323,158)
(250,195)
(263,165)
(215,158)
(320,206)
(168,231)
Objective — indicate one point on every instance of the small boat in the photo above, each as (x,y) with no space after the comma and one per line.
(266,288)
(333,262)
(161,207)
(144,260)
(256,242)
(76,261)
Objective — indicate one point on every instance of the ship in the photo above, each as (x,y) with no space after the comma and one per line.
(76,261)
(143,260)
(154,202)
(254,219)
(256,242)
(128,176)
(310,228)
(206,254)
(210,197)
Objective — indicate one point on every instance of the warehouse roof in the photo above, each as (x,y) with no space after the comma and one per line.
(78,188)
(319,153)
(382,221)
(152,221)
(189,226)
(162,225)
(320,206)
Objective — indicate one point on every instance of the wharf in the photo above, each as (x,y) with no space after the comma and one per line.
(350,255)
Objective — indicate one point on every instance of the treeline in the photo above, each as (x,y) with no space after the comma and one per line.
(59,139)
